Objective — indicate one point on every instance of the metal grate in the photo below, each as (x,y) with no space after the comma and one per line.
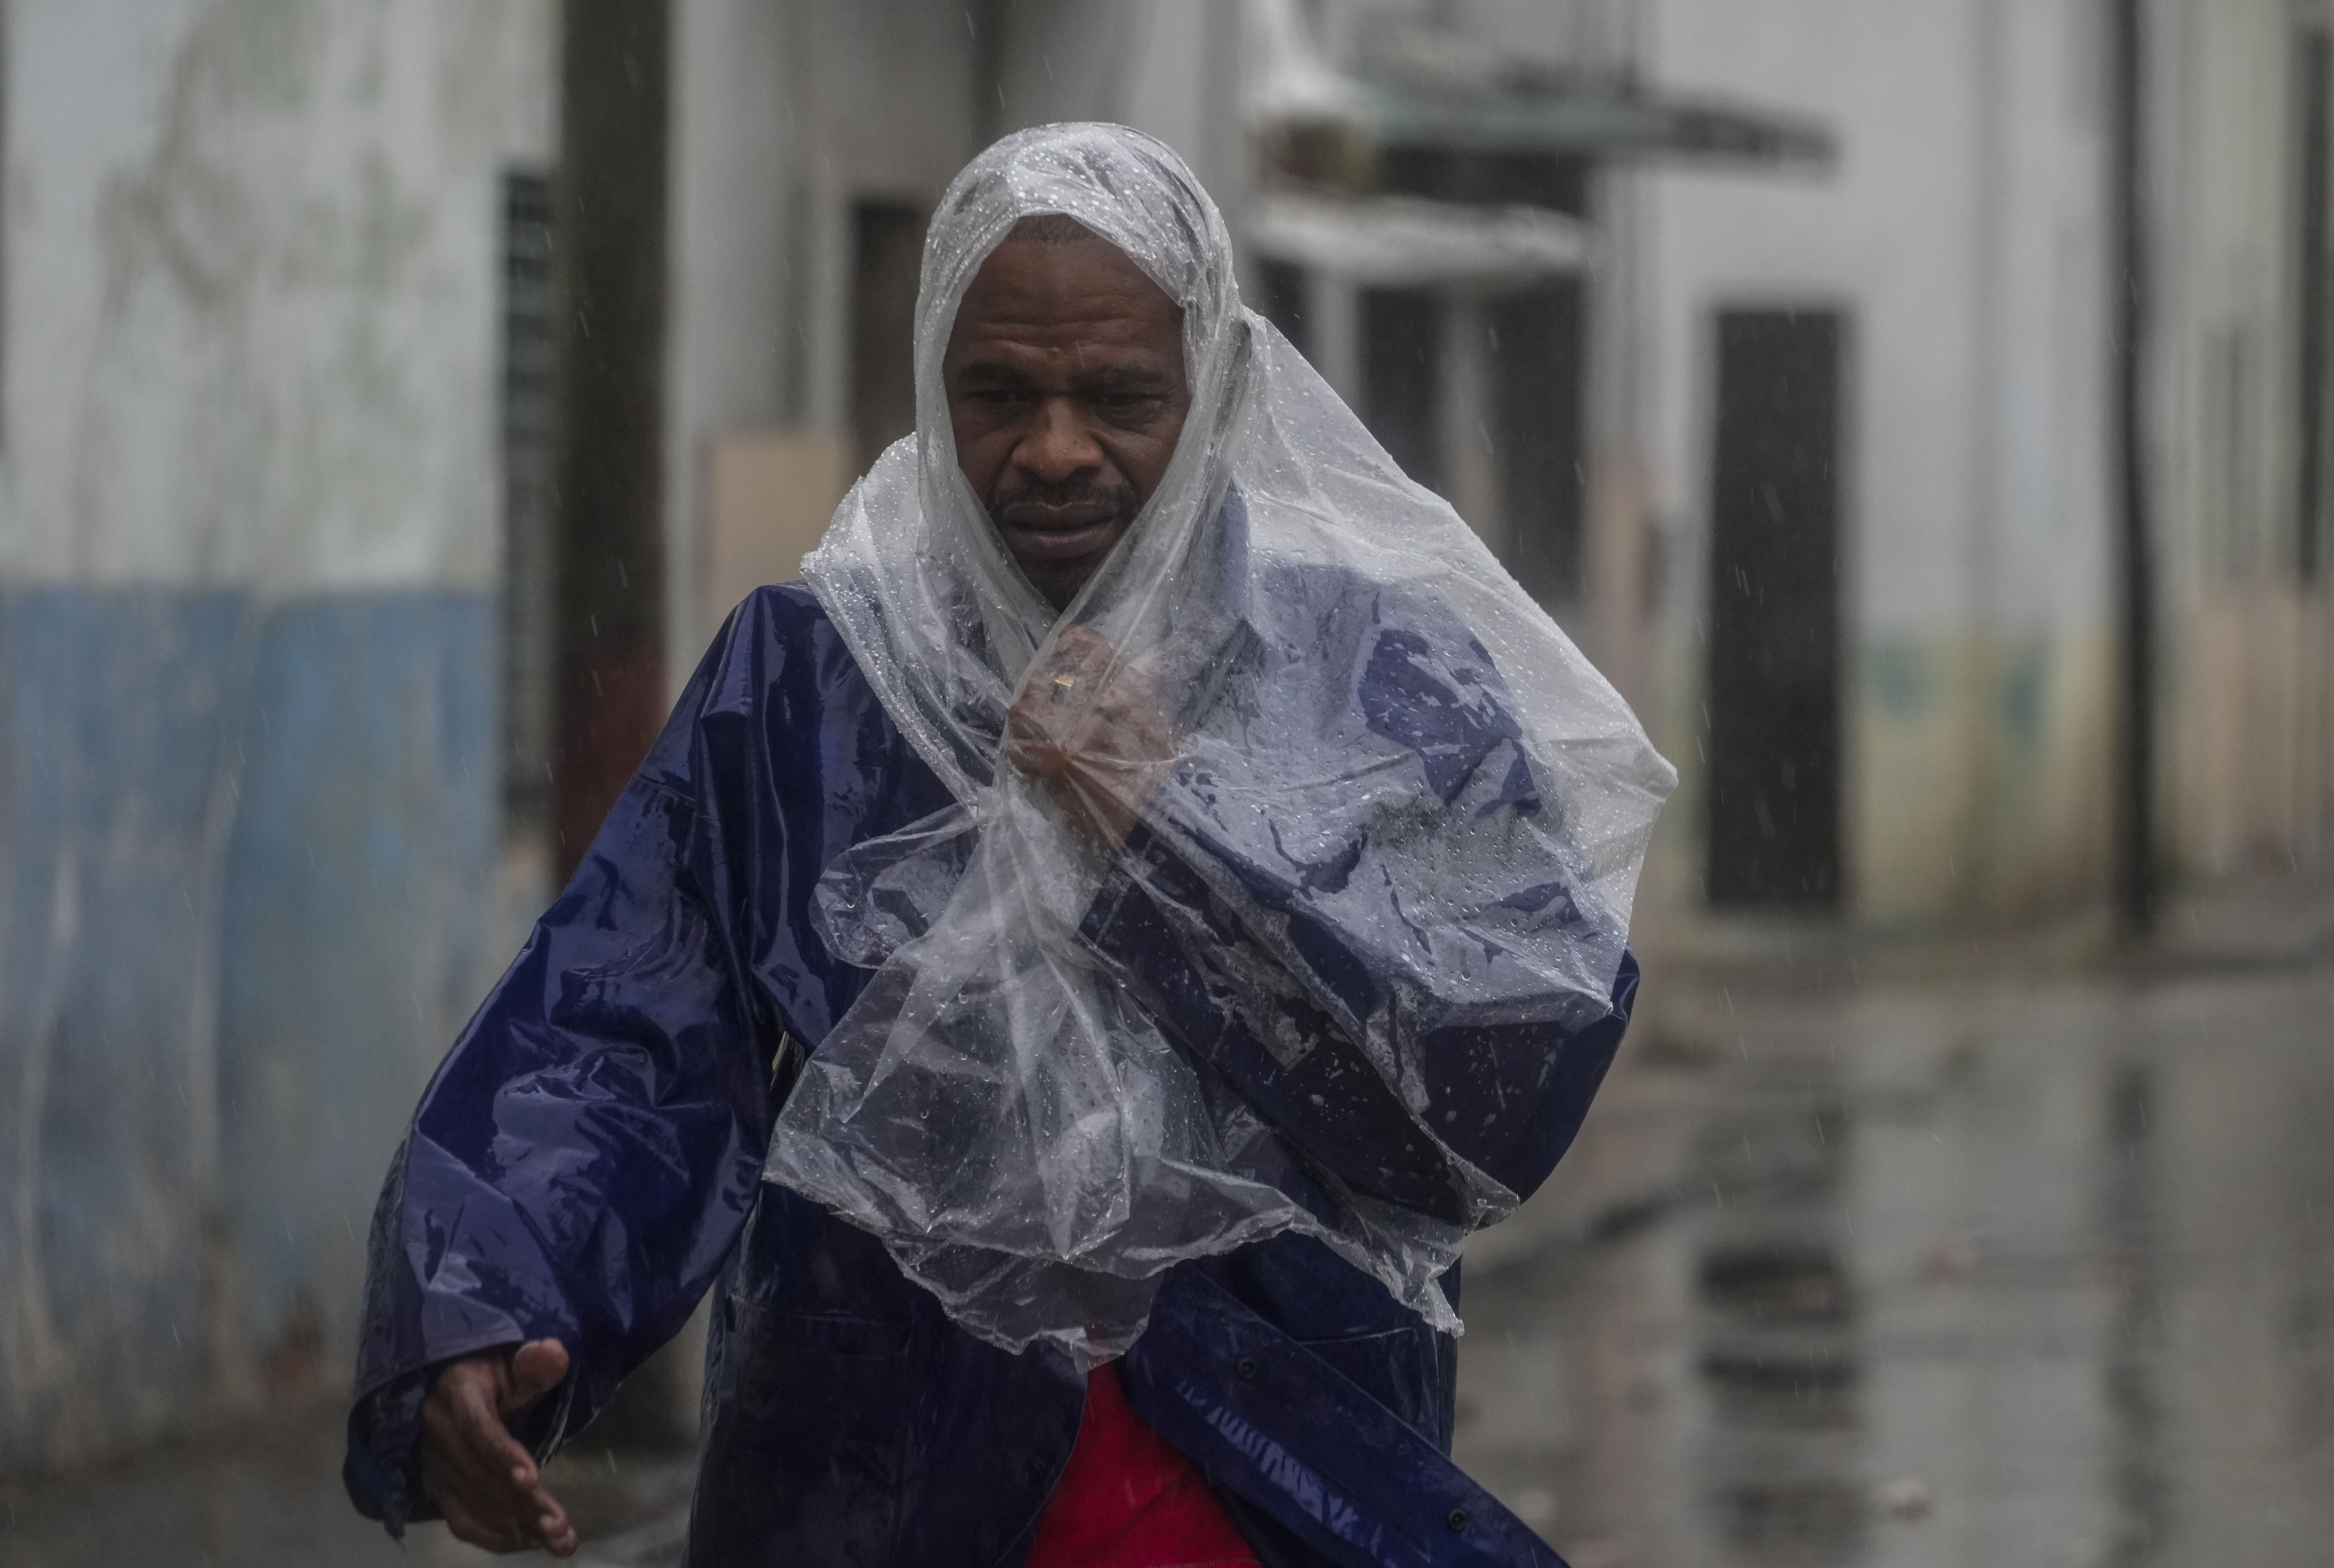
(528,406)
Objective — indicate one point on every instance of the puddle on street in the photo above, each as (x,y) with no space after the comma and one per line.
(1982,1277)
(1777,1358)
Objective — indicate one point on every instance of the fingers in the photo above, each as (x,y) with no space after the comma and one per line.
(539,1367)
(474,1511)
(481,1477)
(482,1443)
(536,1369)
(1080,655)
(1093,776)
(544,1523)
(489,1511)
(553,1531)
(1088,731)
(1116,718)
(1085,647)
(500,1535)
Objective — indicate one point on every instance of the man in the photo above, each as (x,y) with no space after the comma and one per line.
(1193,929)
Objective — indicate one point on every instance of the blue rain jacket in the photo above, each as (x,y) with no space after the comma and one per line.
(586,1162)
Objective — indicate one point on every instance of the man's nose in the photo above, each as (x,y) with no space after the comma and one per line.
(1058,444)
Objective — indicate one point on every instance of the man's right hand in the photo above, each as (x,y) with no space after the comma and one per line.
(1089,730)
(481,1477)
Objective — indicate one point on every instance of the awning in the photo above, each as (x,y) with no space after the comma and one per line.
(1587,116)
(1447,93)
(1406,241)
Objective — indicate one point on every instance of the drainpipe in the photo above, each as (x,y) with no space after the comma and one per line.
(2135,754)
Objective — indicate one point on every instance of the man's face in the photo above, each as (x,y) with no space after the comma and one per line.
(1066,389)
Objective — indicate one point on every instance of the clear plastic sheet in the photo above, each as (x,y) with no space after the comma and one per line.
(1026,1141)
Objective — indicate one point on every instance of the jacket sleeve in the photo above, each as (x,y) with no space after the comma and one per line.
(1292,956)
(585,1157)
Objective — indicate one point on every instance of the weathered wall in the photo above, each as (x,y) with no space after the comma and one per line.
(1961,233)
(2248,752)
(248,548)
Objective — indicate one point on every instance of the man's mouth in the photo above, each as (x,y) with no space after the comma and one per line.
(1064,531)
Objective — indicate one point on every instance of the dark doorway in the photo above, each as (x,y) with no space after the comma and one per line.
(1774,611)
(1286,301)
(1402,378)
(1537,344)
(888,249)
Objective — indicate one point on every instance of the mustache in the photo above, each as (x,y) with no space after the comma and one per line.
(1078,492)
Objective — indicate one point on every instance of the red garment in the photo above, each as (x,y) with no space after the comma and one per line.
(1129,1498)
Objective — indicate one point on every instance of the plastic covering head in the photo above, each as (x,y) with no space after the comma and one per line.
(1359,798)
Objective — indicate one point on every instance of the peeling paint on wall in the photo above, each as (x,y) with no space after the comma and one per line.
(249,537)
(261,247)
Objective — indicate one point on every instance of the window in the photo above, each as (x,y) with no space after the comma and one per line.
(1402,378)
(888,249)
(1538,365)
(1287,302)
(528,455)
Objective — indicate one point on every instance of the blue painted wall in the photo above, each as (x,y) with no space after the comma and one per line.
(251,498)
(247,854)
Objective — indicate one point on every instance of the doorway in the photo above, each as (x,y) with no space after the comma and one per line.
(1402,378)
(1774,678)
(887,254)
(1538,343)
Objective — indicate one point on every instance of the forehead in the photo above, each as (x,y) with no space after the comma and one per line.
(1082,288)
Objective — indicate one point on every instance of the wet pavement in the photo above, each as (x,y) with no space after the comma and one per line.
(269,1496)
(1909,1273)
(1963,1275)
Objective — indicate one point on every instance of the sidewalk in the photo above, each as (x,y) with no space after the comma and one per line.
(268,1495)
(2260,922)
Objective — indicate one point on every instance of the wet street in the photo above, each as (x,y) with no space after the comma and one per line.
(1979,1274)
(1903,1273)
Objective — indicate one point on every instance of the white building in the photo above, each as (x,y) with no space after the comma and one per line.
(1951,275)
(251,523)
(1849,520)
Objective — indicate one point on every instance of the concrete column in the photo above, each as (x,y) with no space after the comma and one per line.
(608,550)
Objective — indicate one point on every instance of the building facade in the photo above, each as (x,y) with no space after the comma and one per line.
(2240,412)
(249,560)
(1957,276)
(1838,373)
